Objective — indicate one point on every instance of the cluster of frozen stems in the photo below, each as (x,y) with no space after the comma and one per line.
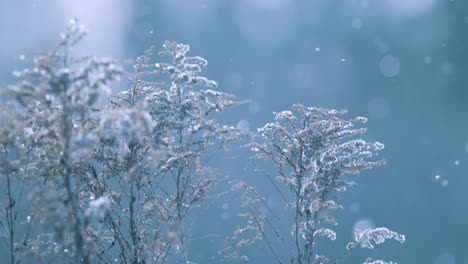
(88,184)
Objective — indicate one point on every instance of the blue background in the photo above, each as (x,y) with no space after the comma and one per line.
(402,63)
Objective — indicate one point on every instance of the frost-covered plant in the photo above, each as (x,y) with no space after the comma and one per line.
(12,218)
(156,138)
(115,183)
(54,105)
(182,110)
(119,183)
(312,149)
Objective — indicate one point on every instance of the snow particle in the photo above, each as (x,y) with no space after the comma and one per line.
(362,224)
(389,66)
(357,23)
(444,183)
(439,178)
(243,125)
(427,59)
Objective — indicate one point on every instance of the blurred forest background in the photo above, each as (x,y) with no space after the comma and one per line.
(402,63)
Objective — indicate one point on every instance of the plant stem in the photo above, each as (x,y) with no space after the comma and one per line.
(11,220)
(81,257)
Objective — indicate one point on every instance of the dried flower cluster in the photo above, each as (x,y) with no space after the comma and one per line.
(87,183)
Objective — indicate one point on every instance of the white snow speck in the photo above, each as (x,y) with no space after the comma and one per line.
(444,183)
